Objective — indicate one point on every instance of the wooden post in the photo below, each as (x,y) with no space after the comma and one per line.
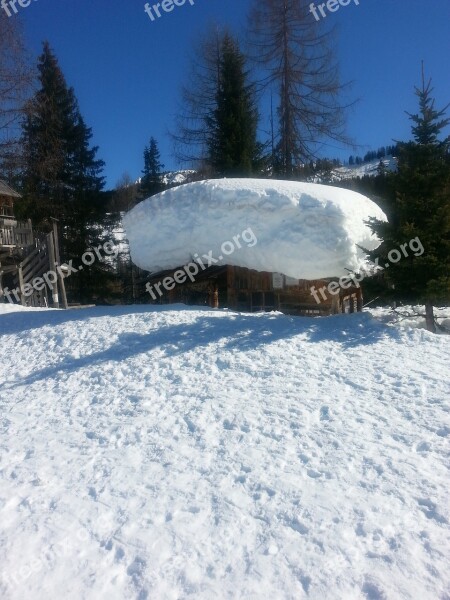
(58,263)
(213,294)
(52,261)
(21,284)
(335,305)
(359,300)
(351,299)
(216,296)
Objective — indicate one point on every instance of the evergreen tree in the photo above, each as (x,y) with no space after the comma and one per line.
(218,120)
(62,176)
(381,169)
(232,144)
(420,209)
(324,170)
(151,181)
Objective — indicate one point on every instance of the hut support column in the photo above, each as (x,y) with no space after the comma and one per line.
(21,284)
(359,300)
(58,263)
(51,256)
(214,295)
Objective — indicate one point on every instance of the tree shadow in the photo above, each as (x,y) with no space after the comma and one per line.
(17,322)
(234,331)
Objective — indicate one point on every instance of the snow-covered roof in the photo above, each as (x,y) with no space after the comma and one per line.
(304,230)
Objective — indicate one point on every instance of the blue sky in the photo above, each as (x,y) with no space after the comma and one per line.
(127,70)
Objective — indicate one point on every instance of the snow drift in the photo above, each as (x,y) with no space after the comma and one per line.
(303,230)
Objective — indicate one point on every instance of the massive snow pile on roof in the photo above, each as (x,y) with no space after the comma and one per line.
(303,230)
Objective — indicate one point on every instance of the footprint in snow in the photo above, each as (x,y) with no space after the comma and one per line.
(298,527)
(443,431)
(423,447)
(120,553)
(325,413)
(136,570)
(304,458)
(429,509)
(314,474)
(372,591)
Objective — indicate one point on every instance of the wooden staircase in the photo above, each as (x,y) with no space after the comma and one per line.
(37,280)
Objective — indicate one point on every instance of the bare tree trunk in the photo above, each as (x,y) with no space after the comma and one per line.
(296,54)
(199,101)
(429,317)
(16,77)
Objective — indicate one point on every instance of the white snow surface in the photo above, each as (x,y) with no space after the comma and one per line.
(303,230)
(173,453)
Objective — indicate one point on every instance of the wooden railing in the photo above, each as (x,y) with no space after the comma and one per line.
(16,233)
(42,262)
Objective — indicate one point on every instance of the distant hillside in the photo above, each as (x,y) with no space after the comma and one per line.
(178,177)
(336,174)
(370,169)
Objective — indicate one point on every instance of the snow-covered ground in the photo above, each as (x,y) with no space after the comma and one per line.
(177,452)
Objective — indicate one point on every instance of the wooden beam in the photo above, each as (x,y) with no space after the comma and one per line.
(21,284)
(51,254)
(58,262)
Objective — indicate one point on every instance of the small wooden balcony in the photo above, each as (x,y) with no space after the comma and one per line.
(15,235)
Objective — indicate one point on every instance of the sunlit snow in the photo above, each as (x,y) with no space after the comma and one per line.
(173,452)
(303,230)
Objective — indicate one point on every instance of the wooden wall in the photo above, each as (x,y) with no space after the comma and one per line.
(250,290)
(247,290)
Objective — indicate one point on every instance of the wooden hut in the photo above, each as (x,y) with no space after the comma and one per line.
(246,290)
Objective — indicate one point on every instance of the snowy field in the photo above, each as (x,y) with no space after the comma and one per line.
(176,453)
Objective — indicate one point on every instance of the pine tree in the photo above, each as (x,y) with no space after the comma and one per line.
(62,174)
(151,181)
(381,169)
(62,177)
(420,209)
(218,111)
(232,144)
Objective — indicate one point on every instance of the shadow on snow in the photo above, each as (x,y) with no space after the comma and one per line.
(230,331)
